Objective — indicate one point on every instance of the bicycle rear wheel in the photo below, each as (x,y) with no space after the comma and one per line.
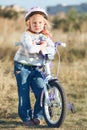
(55,111)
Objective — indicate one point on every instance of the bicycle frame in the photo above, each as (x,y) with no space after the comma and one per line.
(47,74)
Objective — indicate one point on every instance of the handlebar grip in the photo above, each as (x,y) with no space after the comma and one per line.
(63,44)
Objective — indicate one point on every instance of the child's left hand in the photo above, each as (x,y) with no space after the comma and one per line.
(43,42)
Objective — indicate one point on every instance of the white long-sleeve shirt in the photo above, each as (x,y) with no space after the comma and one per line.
(28,53)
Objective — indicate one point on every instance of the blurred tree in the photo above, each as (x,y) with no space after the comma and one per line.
(8,14)
(73,20)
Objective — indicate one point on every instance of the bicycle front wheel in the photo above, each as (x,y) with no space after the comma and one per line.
(55,111)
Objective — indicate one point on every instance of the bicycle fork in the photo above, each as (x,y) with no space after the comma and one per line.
(45,92)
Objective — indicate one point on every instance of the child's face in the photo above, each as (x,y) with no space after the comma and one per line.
(37,23)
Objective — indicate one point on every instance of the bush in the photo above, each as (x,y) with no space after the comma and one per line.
(76,54)
(8,14)
(72,54)
(72,21)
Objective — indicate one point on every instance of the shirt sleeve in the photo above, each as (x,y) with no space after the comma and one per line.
(28,45)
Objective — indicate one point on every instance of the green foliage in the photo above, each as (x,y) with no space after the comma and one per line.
(55,22)
(72,21)
(72,15)
(8,14)
(60,24)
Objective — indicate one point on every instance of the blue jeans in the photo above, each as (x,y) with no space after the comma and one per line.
(26,77)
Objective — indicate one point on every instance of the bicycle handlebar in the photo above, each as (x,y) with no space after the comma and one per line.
(56,44)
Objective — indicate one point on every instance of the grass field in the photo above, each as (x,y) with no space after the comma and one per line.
(72,76)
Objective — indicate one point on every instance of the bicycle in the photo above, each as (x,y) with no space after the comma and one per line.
(53,98)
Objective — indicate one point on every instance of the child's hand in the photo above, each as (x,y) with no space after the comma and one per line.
(43,42)
(43,45)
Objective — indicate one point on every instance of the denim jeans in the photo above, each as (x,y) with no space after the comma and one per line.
(26,77)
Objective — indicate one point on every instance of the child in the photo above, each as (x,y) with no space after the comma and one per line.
(35,42)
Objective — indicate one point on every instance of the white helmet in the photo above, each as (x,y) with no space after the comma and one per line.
(35,10)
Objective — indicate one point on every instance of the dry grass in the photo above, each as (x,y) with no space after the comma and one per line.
(72,76)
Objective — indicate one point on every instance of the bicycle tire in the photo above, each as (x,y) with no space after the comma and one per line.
(50,115)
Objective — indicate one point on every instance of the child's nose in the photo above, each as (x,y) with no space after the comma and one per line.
(37,24)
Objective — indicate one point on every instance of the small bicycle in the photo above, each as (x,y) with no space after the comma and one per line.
(53,98)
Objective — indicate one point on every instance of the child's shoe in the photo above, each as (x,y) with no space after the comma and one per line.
(36,121)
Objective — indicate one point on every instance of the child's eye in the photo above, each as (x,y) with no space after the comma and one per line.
(34,22)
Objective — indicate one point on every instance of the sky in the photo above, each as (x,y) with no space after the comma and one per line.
(27,4)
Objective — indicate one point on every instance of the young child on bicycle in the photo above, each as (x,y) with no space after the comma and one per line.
(35,42)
